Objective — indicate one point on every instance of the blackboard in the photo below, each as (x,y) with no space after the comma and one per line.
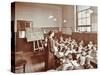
(34,34)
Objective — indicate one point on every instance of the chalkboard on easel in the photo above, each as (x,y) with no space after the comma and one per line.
(35,35)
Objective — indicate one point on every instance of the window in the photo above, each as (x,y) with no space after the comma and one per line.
(83,17)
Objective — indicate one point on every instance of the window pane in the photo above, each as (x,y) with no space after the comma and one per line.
(88,15)
(88,29)
(83,14)
(84,29)
(79,15)
(83,21)
(79,22)
(79,29)
(88,21)
(88,12)
(80,8)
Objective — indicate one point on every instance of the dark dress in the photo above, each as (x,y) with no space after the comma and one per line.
(50,59)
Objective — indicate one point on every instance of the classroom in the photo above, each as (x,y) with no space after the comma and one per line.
(53,37)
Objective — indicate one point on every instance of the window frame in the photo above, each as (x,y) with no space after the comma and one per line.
(77,19)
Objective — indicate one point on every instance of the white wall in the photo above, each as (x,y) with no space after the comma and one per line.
(38,14)
(68,15)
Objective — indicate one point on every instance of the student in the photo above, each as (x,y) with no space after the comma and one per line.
(82,59)
(69,63)
(87,63)
(61,39)
(81,43)
(68,50)
(55,49)
(90,56)
(94,51)
(66,41)
(90,45)
(69,40)
(73,42)
(95,47)
(66,47)
(56,42)
(72,45)
(86,48)
(61,54)
(55,46)
(79,50)
(62,45)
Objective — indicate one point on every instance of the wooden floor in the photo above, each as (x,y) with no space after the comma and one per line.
(35,63)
